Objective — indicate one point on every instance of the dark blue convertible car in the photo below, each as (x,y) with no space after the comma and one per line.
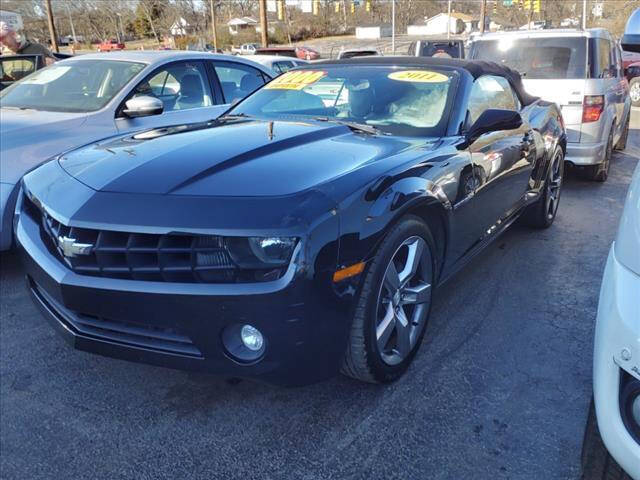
(302,233)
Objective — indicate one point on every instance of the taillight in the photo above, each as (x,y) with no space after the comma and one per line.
(592,108)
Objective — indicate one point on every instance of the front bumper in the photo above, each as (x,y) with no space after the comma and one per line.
(180,325)
(583,154)
(617,329)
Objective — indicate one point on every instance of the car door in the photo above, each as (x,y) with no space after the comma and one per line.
(184,87)
(502,160)
(237,80)
(16,67)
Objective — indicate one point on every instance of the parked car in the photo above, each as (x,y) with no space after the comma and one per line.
(277,64)
(278,51)
(245,49)
(592,93)
(307,53)
(110,46)
(632,73)
(612,438)
(437,47)
(611,447)
(289,239)
(89,97)
(303,53)
(358,52)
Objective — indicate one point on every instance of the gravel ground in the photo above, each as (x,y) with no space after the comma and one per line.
(500,388)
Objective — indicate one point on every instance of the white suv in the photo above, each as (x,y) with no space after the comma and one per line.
(582,72)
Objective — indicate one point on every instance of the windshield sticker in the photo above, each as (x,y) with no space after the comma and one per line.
(47,76)
(418,76)
(296,80)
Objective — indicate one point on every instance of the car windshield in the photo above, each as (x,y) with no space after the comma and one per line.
(537,58)
(440,49)
(399,101)
(72,86)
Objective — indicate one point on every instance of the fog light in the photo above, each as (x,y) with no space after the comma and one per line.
(635,409)
(251,337)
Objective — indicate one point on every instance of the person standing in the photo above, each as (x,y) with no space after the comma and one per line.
(19,45)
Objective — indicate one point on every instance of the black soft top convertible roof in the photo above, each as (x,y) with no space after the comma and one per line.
(476,68)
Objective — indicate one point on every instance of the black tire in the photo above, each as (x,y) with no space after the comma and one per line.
(635,84)
(600,172)
(622,142)
(363,358)
(597,463)
(543,212)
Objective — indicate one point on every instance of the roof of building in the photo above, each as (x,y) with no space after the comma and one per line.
(242,21)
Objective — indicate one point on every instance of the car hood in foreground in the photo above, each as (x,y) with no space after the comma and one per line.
(246,158)
(29,137)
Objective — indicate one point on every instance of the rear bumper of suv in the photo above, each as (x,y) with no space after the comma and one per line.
(583,154)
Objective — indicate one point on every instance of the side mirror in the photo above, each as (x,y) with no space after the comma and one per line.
(494,119)
(143,106)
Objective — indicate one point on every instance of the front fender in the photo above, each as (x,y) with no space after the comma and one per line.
(394,201)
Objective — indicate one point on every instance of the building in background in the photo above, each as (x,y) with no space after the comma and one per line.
(241,24)
(437,25)
(373,32)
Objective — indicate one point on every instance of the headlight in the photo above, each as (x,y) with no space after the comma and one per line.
(261,252)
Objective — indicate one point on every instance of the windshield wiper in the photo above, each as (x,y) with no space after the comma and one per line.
(359,127)
(232,116)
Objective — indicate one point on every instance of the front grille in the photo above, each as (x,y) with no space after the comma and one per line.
(140,335)
(141,256)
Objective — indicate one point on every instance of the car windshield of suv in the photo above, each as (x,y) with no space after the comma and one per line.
(537,58)
(72,86)
(399,101)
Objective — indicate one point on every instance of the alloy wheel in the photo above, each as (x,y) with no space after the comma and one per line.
(554,185)
(403,300)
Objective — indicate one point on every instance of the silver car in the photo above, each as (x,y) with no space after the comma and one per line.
(90,97)
(581,71)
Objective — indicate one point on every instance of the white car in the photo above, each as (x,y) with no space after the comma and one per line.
(613,446)
(277,64)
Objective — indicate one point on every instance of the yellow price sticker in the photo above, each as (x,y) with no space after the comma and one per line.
(296,80)
(418,76)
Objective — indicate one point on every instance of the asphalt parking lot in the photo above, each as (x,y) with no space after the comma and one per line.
(500,388)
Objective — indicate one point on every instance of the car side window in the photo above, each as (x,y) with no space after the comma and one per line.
(237,80)
(180,86)
(282,67)
(604,58)
(17,68)
(491,91)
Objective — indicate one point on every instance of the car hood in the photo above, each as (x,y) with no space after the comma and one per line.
(29,137)
(244,158)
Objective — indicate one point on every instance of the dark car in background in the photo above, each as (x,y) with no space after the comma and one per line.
(292,237)
(437,48)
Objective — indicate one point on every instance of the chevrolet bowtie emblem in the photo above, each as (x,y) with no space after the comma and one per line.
(70,248)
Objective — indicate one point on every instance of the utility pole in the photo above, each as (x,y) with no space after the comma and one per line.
(393,27)
(73,30)
(213,26)
(483,13)
(584,14)
(52,27)
(263,23)
(448,19)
